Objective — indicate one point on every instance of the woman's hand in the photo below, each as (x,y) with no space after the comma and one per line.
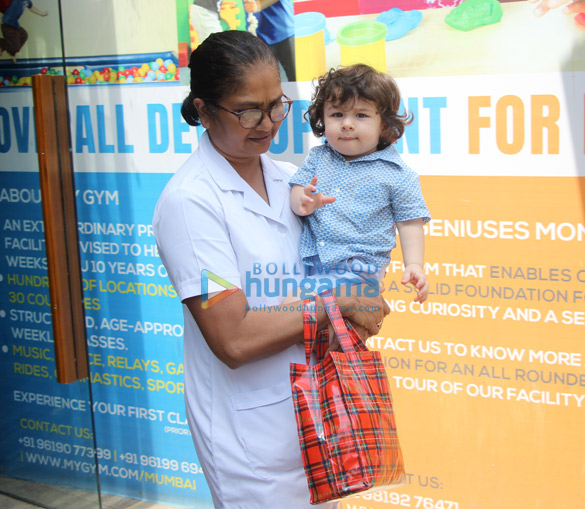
(364,307)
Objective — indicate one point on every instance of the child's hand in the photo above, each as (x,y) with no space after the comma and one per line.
(414,274)
(312,199)
(251,6)
(571,6)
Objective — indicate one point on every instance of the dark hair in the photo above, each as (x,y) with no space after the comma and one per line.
(218,68)
(360,81)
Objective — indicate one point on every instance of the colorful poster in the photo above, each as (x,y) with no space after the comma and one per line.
(488,376)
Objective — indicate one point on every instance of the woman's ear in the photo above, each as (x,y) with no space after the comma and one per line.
(202,110)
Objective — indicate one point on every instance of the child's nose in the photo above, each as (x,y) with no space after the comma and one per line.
(347,123)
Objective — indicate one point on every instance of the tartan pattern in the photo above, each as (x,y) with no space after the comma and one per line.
(344,414)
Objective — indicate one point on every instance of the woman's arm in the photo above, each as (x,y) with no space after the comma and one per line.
(237,334)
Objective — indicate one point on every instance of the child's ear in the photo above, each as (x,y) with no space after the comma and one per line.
(385,135)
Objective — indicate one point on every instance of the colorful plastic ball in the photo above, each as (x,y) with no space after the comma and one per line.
(171,67)
(92,79)
(44,70)
(75,72)
(130,78)
(122,79)
(14,79)
(70,80)
(154,66)
(82,75)
(78,80)
(169,76)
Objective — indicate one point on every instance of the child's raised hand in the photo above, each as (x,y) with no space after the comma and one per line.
(312,199)
(415,275)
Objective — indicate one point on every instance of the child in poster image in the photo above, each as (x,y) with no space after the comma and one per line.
(14,36)
(366,191)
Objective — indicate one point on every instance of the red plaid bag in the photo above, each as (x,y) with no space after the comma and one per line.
(344,413)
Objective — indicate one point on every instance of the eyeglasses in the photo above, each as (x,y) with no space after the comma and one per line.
(250,119)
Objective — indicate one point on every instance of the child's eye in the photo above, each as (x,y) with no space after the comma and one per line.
(337,114)
(362,115)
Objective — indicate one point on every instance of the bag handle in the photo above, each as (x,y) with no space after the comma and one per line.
(348,338)
(337,321)
(309,325)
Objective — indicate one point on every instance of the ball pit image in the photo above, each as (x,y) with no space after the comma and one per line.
(104,70)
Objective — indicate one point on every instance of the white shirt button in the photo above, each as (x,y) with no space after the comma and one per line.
(322,243)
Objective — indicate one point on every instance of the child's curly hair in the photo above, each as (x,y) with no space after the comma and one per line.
(360,81)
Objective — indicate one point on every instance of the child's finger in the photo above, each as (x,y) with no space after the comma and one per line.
(310,190)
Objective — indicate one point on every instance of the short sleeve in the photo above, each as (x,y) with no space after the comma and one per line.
(307,171)
(192,237)
(407,200)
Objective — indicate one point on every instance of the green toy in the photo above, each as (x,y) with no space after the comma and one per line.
(471,14)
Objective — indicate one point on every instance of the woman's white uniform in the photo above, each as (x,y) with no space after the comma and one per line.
(209,219)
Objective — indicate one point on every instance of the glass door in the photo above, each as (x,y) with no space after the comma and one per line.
(122,431)
(48,453)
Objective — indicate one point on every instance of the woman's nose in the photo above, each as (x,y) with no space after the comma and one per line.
(266,123)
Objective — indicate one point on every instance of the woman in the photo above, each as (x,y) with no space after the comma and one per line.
(225,217)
